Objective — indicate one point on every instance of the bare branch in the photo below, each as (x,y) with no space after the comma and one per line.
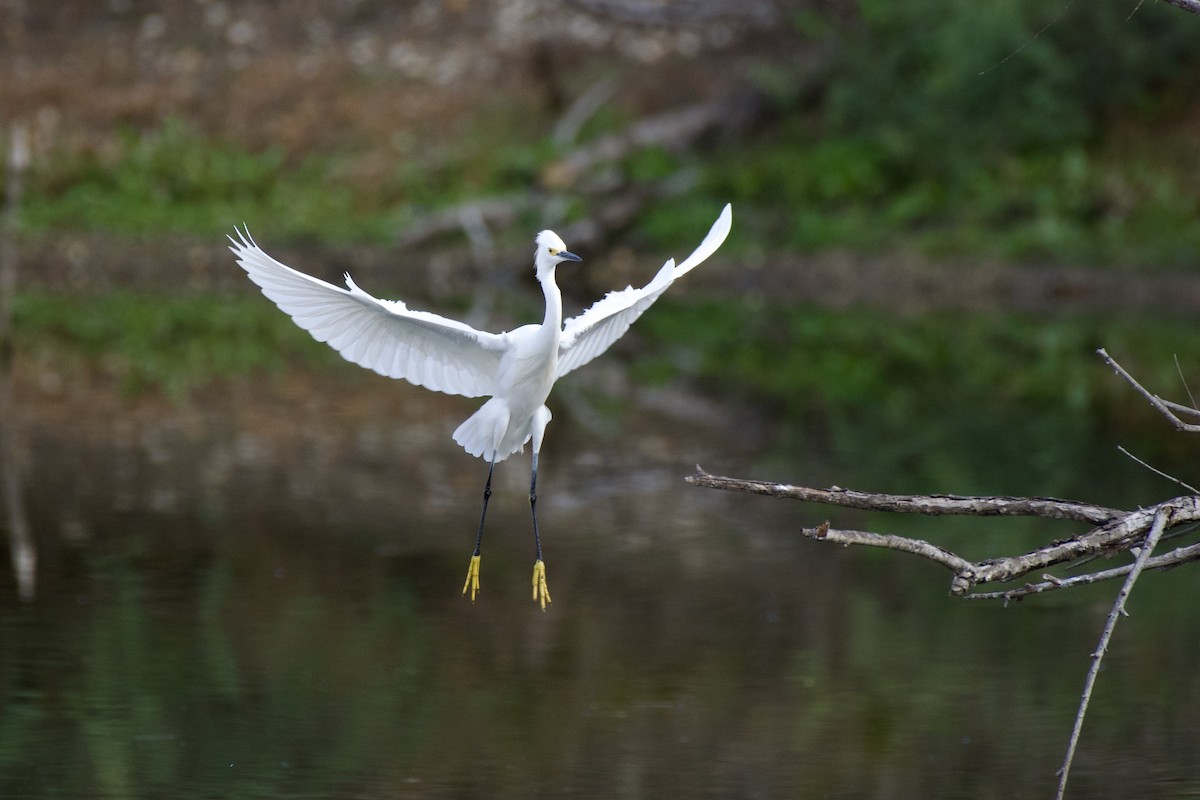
(930,505)
(1180,555)
(1120,534)
(1116,531)
(1187,5)
(1186,388)
(1180,408)
(918,547)
(1118,610)
(1163,407)
(1159,472)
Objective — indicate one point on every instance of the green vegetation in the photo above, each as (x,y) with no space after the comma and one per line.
(1017,131)
(795,188)
(174,345)
(1013,131)
(922,398)
(1006,132)
(176,179)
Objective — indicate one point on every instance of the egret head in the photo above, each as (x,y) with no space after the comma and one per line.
(551,251)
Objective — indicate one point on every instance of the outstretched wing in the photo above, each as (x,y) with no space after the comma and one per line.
(592,332)
(381,335)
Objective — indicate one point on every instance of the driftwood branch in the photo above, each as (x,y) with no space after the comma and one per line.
(930,505)
(1175,558)
(1113,530)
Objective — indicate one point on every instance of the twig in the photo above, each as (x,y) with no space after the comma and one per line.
(1180,555)
(1180,408)
(1186,388)
(918,547)
(1159,472)
(1163,407)
(1118,610)
(1116,531)
(930,505)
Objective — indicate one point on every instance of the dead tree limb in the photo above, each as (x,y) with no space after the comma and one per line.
(1114,530)
(1164,407)
(1187,5)
(930,505)
(1118,610)
(1138,531)
(1175,558)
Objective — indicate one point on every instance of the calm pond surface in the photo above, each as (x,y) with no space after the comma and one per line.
(266,603)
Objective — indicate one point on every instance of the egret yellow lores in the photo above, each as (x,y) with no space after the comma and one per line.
(516,369)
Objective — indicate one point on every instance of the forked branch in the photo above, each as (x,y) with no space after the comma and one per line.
(1113,531)
(1167,408)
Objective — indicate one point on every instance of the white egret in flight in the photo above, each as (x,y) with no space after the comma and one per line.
(517,369)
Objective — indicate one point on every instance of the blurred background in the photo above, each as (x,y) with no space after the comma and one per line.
(235,558)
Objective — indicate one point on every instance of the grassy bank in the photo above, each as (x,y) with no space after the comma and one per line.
(962,402)
(1131,201)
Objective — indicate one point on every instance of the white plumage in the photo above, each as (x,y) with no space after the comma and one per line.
(516,369)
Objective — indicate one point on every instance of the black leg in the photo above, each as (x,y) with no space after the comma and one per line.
(487,494)
(473,570)
(537,540)
(540,592)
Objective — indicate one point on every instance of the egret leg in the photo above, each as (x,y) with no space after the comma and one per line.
(473,570)
(540,592)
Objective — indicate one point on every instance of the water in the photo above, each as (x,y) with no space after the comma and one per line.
(249,598)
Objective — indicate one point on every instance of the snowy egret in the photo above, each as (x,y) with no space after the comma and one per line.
(516,369)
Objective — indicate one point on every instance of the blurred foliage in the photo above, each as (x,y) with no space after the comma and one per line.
(967,403)
(175,178)
(1014,130)
(912,402)
(943,85)
(162,344)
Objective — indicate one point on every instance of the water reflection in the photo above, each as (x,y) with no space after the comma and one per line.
(21,546)
(246,607)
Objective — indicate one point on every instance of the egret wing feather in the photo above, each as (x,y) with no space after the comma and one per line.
(382,335)
(591,333)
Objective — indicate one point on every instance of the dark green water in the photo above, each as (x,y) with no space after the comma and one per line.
(223,612)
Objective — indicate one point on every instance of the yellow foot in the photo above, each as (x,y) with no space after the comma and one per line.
(472,578)
(540,592)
